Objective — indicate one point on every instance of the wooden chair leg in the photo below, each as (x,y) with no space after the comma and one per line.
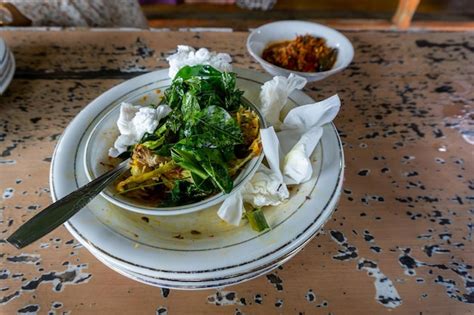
(404,14)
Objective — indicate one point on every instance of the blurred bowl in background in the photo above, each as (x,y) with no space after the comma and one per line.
(280,31)
(7,66)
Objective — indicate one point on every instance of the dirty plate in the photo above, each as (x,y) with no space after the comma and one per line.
(195,250)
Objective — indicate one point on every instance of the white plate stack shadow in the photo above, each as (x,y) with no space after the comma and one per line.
(7,66)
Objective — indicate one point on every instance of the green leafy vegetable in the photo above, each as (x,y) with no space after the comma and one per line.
(184,157)
(216,168)
(203,136)
(201,97)
(154,144)
(190,108)
(210,86)
(215,128)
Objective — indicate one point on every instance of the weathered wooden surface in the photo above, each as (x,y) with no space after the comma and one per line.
(406,210)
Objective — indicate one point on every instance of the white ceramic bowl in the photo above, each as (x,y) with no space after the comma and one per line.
(7,66)
(102,134)
(279,31)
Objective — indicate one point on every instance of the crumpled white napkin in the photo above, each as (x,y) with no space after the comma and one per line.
(265,188)
(299,134)
(188,56)
(301,131)
(274,96)
(134,122)
(232,209)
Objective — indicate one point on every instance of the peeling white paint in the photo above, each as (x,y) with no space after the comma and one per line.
(385,292)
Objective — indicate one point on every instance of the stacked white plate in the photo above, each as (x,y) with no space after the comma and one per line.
(196,250)
(7,66)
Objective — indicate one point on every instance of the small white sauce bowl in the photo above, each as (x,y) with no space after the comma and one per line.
(280,31)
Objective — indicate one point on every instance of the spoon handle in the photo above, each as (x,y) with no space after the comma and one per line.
(60,211)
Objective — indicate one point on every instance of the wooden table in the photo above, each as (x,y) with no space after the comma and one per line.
(405,216)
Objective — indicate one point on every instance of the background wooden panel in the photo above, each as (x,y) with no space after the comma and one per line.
(367,14)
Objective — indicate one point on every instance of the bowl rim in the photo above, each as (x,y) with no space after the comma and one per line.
(239,181)
(301,73)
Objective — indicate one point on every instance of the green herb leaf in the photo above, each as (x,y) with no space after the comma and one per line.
(213,163)
(209,85)
(220,124)
(201,71)
(190,107)
(154,144)
(184,158)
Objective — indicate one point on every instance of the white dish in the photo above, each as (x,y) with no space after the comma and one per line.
(104,131)
(213,283)
(165,248)
(4,50)
(7,76)
(279,31)
(188,285)
(5,63)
